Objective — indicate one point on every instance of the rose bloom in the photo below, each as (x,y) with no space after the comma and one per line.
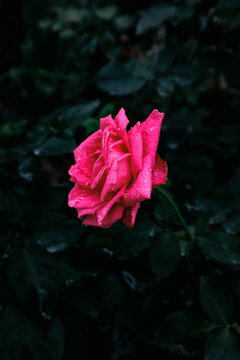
(116,169)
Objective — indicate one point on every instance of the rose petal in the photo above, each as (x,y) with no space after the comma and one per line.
(150,133)
(105,209)
(113,215)
(142,186)
(99,179)
(136,144)
(160,172)
(118,176)
(110,182)
(130,214)
(108,120)
(116,151)
(89,146)
(93,210)
(109,137)
(98,171)
(97,166)
(122,121)
(77,176)
(81,197)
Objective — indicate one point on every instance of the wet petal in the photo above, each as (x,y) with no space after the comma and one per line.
(113,215)
(107,121)
(150,133)
(93,210)
(81,197)
(98,172)
(122,121)
(116,151)
(101,214)
(89,146)
(136,145)
(109,138)
(99,179)
(130,214)
(118,176)
(78,176)
(160,172)
(141,188)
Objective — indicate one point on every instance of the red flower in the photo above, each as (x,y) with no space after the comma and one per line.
(115,170)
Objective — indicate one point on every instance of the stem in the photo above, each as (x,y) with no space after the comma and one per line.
(176,209)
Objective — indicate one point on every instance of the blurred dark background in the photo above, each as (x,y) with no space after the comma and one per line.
(68,291)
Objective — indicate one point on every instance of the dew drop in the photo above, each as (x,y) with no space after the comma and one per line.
(69,282)
(46,315)
(107,251)
(130,280)
(36,152)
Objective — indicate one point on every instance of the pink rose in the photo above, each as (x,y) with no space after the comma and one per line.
(116,169)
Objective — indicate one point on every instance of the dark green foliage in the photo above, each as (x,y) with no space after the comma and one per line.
(21,338)
(184,332)
(223,345)
(221,247)
(122,79)
(216,301)
(74,292)
(164,255)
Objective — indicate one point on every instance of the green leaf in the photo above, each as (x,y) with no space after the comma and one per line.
(216,301)
(184,74)
(91,125)
(122,242)
(107,13)
(20,338)
(154,16)
(67,274)
(232,226)
(184,332)
(134,242)
(221,247)
(183,14)
(124,22)
(31,274)
(79,112)
(122,78)
(166,58)
(55,146)
(165,86)
(112,291)
(106,109)
(164,255)
(72,117)
(223,345)
(58,240)
(55,232)
(27,169)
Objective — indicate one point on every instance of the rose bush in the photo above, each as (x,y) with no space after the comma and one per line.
(116,169)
